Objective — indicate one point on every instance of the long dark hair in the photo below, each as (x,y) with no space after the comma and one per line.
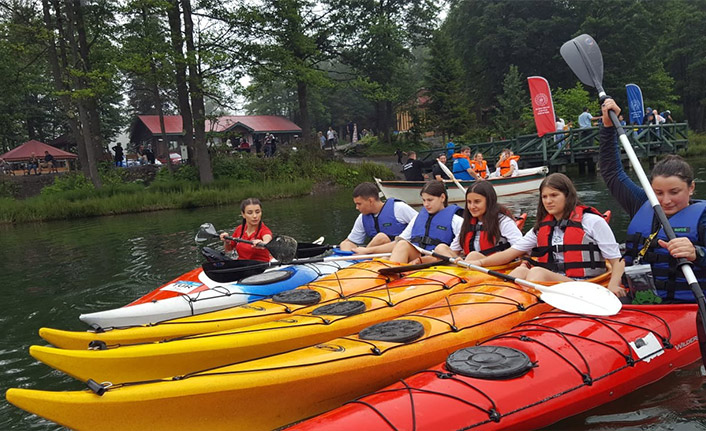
(436,188)
(245,203)
(492,210)
(562,183)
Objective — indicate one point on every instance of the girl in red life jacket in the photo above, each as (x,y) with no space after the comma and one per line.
(488,227)
(252,229)
(569,240)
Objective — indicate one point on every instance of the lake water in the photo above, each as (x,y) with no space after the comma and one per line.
(52,272)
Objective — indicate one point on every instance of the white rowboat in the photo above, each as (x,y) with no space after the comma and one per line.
(527,180)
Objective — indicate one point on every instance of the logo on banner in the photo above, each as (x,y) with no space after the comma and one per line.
(635,105)
(541,99)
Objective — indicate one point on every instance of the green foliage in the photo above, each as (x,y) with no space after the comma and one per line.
(73,181)
(510,116)
(697,145)
(569,103)
(8,189)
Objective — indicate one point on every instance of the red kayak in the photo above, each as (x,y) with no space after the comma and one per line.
(544,370)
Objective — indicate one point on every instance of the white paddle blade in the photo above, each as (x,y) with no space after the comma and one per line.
(581,297)
(206,232)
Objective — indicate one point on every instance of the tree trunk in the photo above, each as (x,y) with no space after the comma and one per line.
(157,98)
(80,84)
(182,88)
(91,102)
(60,85)
(303,96)
(203,160)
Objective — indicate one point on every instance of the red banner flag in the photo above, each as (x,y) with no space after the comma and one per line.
(542,105)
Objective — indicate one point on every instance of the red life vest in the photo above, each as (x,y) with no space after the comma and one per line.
(581,256)
(505,164)
(487,247)
(481,168)
(247,251)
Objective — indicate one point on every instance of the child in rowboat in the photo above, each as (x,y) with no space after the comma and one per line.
(488,227)
(672,180)
(437,223)
(380,222)
(569,240)
(252,229)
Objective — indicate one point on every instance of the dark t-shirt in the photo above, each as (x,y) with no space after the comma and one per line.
(436,170)
(413,169)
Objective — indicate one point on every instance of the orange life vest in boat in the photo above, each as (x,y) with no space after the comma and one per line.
(505,164)
(481,168)
(581,256)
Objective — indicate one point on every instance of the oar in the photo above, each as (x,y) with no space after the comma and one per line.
(583,56)
(265,265)
(450,174)
(579,297)
(282,248)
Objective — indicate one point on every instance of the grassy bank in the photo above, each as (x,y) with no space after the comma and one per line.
(73,196)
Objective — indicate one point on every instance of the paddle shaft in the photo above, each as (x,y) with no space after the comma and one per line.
(451,175)
(265,265)
(506,277)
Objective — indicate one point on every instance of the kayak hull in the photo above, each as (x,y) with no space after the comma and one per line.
(273,391)
(307,327)
(579,363)
(349,280)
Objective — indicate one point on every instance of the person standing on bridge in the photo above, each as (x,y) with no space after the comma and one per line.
(672,180)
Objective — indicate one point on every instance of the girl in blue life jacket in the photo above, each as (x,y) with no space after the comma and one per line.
(672,180)
(488,227)
(437,223)
(569,240)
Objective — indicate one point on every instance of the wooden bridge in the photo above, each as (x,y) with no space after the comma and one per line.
(580,146)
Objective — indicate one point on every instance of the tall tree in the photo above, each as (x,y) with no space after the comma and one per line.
(447,107)
(512,103)
(376,39)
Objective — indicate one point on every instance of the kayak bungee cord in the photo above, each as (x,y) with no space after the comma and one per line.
(565,349)
(377,348)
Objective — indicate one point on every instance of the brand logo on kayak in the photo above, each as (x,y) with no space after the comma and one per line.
(686,343)
(287,321)
(331,347)
(182,286)
(253,307)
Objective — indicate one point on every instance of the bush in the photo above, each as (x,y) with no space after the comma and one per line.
(8,189)
(73,181)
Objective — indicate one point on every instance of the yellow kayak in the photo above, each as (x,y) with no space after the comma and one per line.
(336,318)
(273,391)
(356,278)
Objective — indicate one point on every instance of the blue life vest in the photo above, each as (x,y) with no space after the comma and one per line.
(459,169)
(428,232)
(669,280)
(384,222)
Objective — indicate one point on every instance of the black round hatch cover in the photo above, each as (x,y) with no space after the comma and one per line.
(394,331)
(489,362)
(267,277)
(342,308)
(298,297)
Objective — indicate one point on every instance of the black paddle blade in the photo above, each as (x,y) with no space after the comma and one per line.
(584,57)
(206,232)
(282,248)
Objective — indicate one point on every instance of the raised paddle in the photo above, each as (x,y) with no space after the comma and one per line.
(450,174)
(579,297)
(283,248)
(583,56)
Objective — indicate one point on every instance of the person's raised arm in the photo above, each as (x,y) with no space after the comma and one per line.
(629,195)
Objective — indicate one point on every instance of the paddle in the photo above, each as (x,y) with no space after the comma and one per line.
(579,297)
(227,271)
(450,174)
(282,248)
(583,56)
